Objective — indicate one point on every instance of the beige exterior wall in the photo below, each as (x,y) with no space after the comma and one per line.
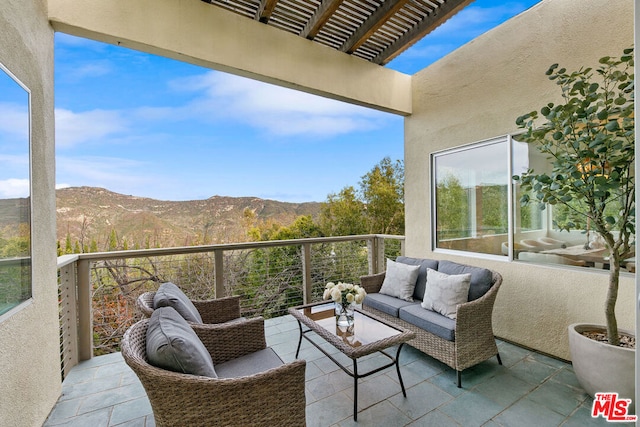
(476,93)
(195,32)
(29,354)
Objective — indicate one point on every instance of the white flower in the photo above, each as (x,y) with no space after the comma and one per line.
(341,292)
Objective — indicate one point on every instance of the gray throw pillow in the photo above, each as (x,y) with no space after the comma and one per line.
(444,292)
(169,295)
(399,280)
(174,346)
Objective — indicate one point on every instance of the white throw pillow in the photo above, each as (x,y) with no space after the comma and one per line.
(444,292)
(400,280)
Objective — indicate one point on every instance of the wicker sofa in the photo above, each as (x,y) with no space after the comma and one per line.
(461,342)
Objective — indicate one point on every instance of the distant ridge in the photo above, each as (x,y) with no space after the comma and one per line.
(90,213)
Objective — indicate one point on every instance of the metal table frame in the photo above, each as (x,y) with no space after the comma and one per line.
(354,354)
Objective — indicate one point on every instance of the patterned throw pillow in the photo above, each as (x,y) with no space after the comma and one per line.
(399,280)
(444,292)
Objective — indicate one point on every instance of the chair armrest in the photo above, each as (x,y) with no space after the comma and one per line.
(372,283)
(474,318)
(228,341)
(275,397)
(218,310)
(145,303)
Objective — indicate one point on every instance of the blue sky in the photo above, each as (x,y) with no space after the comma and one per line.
(153,127)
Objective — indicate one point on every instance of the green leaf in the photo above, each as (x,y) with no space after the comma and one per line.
(612,126)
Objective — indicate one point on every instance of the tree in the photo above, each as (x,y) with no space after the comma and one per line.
(590,140)
(377,207)
(452,208)
(383,194)
(343,214)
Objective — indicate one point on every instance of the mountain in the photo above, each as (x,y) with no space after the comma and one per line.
(89,213)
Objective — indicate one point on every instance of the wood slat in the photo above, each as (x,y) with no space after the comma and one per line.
(375,30)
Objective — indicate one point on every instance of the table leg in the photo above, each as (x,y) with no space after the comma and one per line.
(355,390)
(404,392)
(300,340)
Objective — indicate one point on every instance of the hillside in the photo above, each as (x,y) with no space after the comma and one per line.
(89,213)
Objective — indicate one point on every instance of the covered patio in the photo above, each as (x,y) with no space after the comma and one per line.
(529,389)
(472,95)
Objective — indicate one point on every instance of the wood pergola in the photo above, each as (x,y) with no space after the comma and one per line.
(374,30)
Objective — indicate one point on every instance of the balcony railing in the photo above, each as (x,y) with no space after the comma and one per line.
(97,291)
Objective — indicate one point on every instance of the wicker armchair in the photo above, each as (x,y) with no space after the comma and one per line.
(212,311)
(474,339)
(275,397)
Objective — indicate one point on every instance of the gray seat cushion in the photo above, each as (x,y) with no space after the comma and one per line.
(250,364)
(481,278)
(173,345)
(385,303)
(421,283)
(430,321)
(169,295)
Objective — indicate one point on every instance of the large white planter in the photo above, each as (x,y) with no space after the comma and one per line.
(601,367)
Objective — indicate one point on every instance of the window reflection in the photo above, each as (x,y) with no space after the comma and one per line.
(15,207)
(471,198)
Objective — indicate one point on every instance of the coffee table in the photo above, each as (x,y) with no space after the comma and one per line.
(369,334)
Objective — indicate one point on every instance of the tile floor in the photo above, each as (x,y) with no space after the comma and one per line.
(529,389)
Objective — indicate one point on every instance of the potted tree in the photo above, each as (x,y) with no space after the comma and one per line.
(589,139)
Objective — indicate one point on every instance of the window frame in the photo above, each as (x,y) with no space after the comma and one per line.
(20,305)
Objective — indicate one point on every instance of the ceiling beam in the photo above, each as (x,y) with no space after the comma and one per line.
(376,20)
(320,17)
(430,23)
(263,14)
(219,39)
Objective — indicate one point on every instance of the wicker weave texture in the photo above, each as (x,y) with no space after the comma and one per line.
(218,310)
(474,339)
(275,397)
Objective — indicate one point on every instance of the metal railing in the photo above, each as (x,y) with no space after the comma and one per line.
(97,291)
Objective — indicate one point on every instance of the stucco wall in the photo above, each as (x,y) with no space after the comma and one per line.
(476,93)
(29,354)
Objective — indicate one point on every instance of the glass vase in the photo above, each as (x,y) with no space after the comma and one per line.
(345,314)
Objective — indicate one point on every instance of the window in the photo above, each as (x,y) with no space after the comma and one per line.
(15,200)
(477,208)
(471,197)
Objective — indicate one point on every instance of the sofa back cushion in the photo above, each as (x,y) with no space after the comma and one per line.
(421,283)
(481,278)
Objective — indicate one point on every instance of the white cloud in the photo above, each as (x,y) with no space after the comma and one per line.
(77,128)
(91,69)
(14,120)
(275,109)
(11,188)
(98,171)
